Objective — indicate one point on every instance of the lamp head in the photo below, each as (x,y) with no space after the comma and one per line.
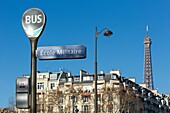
(108,33)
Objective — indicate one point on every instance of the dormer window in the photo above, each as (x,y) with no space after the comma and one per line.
(87,78)
(63,79)
(76,79)
(70,79)
(113,76)
(100,77)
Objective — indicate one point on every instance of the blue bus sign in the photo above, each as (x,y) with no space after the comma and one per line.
(61,52)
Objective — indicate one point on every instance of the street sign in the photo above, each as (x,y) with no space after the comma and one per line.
(22,84)
(61,52)
(22,100)
(33,21)
(22,92)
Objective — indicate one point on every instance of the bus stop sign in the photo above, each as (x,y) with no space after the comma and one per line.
(33,21)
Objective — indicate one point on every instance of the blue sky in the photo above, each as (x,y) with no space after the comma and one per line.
(71,22)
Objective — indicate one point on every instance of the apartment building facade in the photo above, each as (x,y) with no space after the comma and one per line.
(61,92)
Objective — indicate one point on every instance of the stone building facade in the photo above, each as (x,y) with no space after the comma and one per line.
(63,93)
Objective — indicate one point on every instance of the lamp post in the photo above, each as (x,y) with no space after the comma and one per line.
(106,33)
(33,22)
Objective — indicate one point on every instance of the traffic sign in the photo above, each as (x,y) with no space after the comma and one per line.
(22,100)
(33,21)
(22,92)
(22,84)
(61,52)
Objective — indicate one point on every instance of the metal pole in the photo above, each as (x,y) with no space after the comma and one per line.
(42,99)
(95,69)
(73,97)
(33,107)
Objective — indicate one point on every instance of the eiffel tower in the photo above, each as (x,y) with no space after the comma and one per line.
(148,78)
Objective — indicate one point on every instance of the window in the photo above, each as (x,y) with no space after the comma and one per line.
(62,79)
(110,109)
(44,76)
(113,76)
(91,78)
(110,98)
(100,77)
(53,76)
(40,76)
(85,98)
(69,79)
(61,109)
(84,78)
(52,85)
(76,99)
(50,108)
(86,109)
(76,79)
(98,97)
(41,85)
(99,110)
(87,78)
(76,109)
(61,100)
(73,98)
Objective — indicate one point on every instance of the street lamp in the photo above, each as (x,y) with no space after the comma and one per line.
(106,33)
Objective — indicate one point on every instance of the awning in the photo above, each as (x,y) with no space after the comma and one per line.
(85,94)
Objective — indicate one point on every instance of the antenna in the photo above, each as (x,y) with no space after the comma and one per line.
(69,70)
(147,30)
(47,68)
(61,69)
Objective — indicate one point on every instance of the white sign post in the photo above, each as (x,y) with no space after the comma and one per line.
(33,22)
